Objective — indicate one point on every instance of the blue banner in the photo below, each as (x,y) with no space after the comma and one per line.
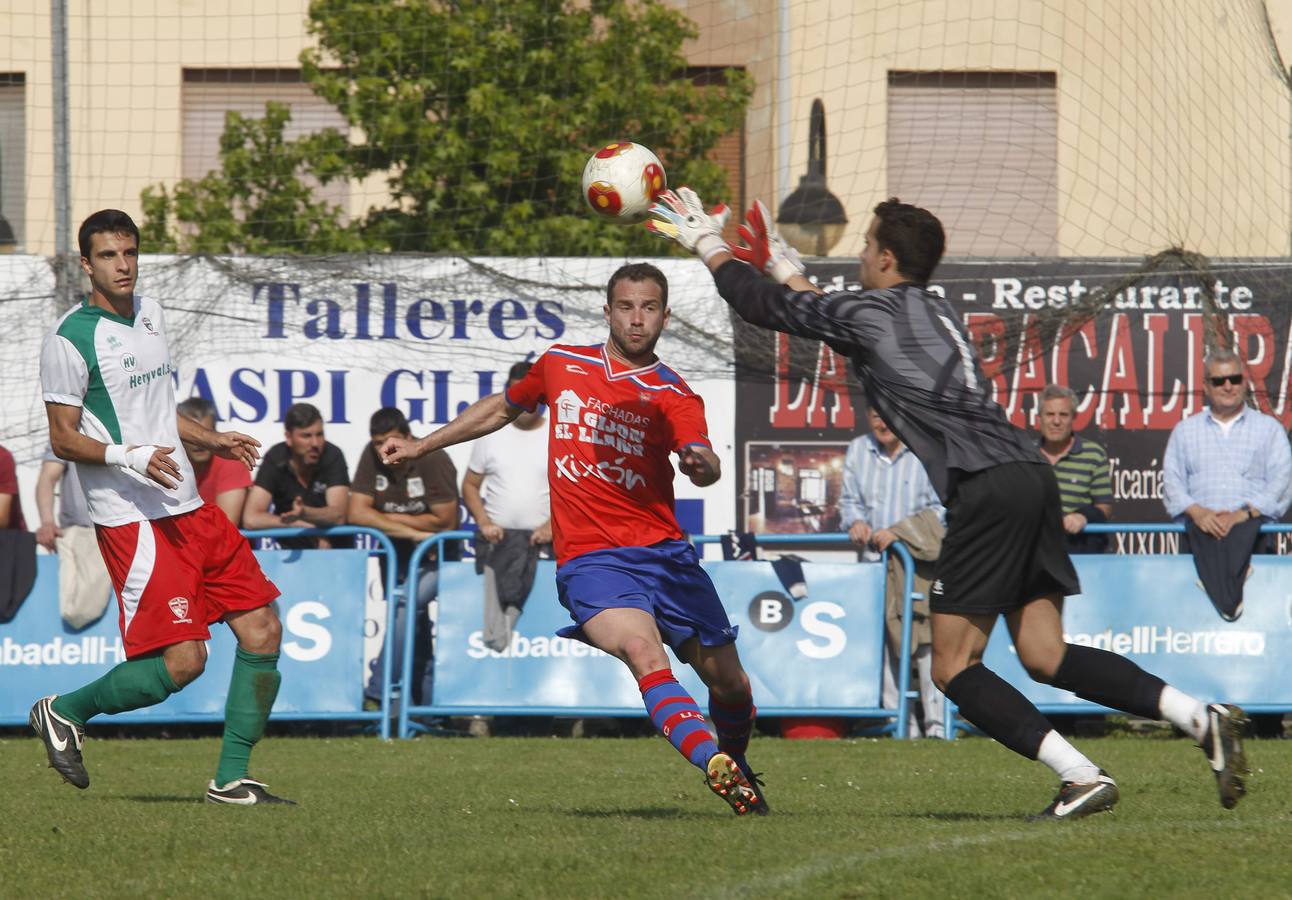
(1152,610)
(822,652)
(322,609)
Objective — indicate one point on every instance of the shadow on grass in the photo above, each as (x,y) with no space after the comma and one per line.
(159,798)
(643,812)
(944,815)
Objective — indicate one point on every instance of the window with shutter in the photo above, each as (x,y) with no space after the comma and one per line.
(980,151)
(210,93)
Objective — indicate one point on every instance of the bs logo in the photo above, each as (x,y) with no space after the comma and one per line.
(826,638)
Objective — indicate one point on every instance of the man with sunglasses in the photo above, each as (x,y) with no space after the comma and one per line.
(1227,470)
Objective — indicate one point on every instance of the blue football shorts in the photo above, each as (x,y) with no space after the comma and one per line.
(664,580)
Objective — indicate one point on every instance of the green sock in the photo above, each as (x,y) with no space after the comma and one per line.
(133,684)
(252,690)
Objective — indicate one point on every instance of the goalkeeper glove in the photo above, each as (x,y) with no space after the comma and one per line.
(764,248)
(680,216)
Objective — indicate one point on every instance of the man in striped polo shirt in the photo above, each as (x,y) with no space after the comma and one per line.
(1081,468)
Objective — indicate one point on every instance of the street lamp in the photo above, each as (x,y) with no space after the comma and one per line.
(812,218)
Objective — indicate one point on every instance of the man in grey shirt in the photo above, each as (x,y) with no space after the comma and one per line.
(1004,551)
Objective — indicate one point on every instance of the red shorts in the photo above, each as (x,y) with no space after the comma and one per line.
(175,576)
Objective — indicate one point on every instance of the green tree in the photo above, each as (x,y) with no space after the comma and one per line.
(482,113)
(260,201)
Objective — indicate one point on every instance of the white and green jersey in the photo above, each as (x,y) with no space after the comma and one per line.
(119,372)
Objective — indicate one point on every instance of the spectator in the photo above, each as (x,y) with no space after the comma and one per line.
(221,481)
(1080,467)
(10,503)
(887,496)
(410,502)
(1227,470)
(84,587)
(505,490)
(304,478)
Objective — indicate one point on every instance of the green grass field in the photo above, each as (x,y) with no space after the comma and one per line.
(547,817)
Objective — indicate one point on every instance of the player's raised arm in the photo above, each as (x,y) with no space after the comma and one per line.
(789,303)
(485,416)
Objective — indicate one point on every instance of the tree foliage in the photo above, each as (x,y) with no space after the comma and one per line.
(262,199)
(479,115)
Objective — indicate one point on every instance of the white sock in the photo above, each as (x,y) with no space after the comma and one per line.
(1184,712)
(1066,760)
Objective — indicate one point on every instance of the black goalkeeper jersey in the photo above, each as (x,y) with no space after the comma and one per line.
(913,358)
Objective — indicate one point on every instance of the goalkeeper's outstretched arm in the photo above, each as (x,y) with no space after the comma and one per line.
(485,416)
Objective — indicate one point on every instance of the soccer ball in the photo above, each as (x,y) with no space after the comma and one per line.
(621,181)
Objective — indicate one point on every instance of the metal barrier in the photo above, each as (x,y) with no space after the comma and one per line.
(954,724)
(381,716)
(899,715)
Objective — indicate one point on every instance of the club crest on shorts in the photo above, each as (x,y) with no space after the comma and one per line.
(179,606)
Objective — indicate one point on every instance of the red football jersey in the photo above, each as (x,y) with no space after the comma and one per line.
(610,435)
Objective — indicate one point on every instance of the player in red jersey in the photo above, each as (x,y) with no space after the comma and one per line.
(629,580)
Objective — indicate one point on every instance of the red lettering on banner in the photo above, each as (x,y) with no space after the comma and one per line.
(1246,328)
(1085,410)
(807,409)
(1283,410)
(987,331)
(1161,411)
(1195,327)
(1120,380)
(1029,374)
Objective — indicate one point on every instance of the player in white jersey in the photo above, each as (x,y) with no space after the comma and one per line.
(177,565)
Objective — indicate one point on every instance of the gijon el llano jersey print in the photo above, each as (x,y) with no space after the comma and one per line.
(118,371)
(611,431)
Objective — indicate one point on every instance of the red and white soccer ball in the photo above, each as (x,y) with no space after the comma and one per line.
(621,181)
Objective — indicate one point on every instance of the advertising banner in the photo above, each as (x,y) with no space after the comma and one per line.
(322,610)
(352,334)
(1134,361)
(821,652)
(1152,611)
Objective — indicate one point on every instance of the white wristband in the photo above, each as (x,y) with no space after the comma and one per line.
(115,455)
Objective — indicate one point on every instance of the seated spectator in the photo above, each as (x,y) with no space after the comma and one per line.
(505,490)
(410,502)
(304,478)
(84,587)
(887,496)
(1080,467)
(10,503)
(221,481)
(1227,470)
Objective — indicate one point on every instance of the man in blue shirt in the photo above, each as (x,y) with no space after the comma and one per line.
(1226,470)
(884,487)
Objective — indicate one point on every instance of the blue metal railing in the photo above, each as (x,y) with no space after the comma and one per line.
(388,548)
(899,726)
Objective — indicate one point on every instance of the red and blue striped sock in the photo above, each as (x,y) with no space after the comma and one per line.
(734,723)
(677,716)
